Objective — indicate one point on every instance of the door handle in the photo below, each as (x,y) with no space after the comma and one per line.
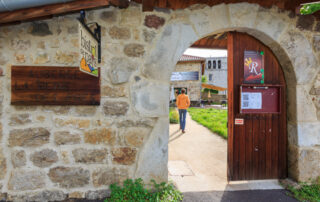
(256,149)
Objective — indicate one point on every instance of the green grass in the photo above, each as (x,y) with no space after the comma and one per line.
(310,193)
(173,115)
(213,119)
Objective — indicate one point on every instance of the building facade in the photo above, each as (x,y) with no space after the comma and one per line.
(216,71)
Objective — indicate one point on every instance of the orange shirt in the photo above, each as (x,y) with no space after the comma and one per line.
(183,101)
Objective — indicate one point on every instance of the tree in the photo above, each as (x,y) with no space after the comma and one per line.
(310,8)
(204,79)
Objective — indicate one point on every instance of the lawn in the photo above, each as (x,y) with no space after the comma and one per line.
(213,119)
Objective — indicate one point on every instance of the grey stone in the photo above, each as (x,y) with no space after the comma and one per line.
(108,176)
(309,134)
(69,177)
(73,29)
(65,137)
(109,16)
(19,119)
(43,196)
(150,99)
(124,155)
(121,33)
(30,137)
(3,59)
(98,194)
(155,154)
(115,108)
(316,42)
(20,44)
(134,50)
(114,91)
(22,180)
(18,158)
(137,123)
(86,110)
(153,21)
(305,22)
(3,165)
(90,155)
(148,36)
(56,109)
(44,158)
(121,70)
(40,29)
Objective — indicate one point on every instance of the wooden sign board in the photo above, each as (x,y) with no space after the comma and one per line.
(41,85)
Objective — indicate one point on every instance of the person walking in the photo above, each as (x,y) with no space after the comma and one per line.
(183,104)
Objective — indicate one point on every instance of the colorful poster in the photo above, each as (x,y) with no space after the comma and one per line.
(253,67)
(88,51)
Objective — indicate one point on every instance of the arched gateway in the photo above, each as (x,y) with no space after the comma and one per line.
(79,150)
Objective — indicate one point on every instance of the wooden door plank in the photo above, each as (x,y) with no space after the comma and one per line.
(268,146)
(262,148)
(148,5)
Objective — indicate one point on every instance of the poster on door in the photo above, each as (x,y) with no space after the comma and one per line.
(253,67)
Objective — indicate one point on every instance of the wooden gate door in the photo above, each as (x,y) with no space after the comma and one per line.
(257,127)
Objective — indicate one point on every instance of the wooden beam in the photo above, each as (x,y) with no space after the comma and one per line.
(147,5)
(48,10)
(120,3)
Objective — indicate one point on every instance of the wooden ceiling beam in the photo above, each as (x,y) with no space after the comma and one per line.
(120,3)
(55,9)
(148,5)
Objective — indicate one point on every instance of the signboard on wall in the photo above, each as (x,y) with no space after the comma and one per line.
(185,76)
(36,85)
(253,67)
(88,51)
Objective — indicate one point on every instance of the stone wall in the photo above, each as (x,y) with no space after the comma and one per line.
(193,87)
(51,152)
(219,76)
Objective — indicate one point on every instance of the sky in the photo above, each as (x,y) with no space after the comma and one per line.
(201,52)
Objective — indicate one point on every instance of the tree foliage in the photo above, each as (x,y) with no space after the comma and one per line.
(310,8)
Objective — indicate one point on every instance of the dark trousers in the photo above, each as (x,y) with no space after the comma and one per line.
(182,118)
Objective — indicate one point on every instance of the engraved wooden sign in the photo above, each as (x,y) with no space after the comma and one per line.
(42,85)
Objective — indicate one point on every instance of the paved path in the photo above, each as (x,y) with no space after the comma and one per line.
(198,166)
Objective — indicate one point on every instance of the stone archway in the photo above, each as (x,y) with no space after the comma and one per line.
(273,28)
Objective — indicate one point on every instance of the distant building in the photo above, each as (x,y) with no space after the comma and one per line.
(188,75)
(216,71)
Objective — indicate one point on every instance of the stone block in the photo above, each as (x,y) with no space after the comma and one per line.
(98,194)
(19,119)
(153,21)
(44,158)
(18,158)
(90,155)
(134,50)
(306,110)
(150,99)
(100,136)
(20,58)
(114,91)
(23,180)
(136,123)
(40,29)
(148,36)
(304,62)
(121,70)
(66,58)
(3,165)
(115,108)
(76,195)
(124,155)
(41,58)
(30,137)
(108,176)
(243,14)
(135,136)
(76,123)
(20,44)
(41,118)
(109,16)
(155,154)
(309,166)
(120,33)
(86,110)
(42,196)
(65,137)
(69,177)
(308,134)
(59,110)
(131,16)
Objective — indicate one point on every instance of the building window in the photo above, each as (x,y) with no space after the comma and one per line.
(214,64)
(219,64)
(210,77)
(209,64)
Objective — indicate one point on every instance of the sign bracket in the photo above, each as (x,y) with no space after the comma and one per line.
(96,34)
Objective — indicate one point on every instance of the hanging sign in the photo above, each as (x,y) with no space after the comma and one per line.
(253,67)
(184,76)
(88,51)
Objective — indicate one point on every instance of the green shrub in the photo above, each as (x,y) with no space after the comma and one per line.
(310,193)
(173,115)
(135,191)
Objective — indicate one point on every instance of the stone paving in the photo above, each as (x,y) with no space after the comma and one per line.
(198,167)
